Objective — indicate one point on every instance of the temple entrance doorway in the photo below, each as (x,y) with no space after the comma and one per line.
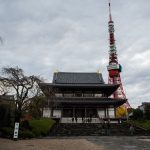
(67,112)
(79,115)
(91,113)
(80,112)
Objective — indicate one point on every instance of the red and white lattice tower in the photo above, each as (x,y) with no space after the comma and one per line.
(114,68)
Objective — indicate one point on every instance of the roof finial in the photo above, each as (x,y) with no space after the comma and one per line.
(56,71)
(110,10)
(98,71)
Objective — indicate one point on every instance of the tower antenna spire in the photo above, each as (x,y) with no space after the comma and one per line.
(110,17)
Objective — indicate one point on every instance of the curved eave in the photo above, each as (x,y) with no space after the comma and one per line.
(108,89)
(98,103)
(91,102)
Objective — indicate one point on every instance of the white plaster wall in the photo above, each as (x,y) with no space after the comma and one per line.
(57,113)
(111,112)
(46,112)
(101,113)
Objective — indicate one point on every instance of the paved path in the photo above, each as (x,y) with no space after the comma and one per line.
(79,143)
(122,142)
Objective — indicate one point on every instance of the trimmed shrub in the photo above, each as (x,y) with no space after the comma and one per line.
(30,129)
(26,134)
(7,132)
(42,126)
(37,132)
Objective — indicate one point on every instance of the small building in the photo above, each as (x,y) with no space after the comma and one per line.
(79,96)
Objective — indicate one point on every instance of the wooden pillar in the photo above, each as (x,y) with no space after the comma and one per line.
(85,112)
(61,113)
(97,112)
(73,112)
(115,111)
(105,112)
(51,112)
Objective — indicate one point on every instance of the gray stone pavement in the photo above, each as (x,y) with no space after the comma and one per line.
(117,142)
(79,143)
(122,142)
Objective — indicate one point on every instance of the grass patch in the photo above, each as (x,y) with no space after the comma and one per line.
(141,123)
(42,126)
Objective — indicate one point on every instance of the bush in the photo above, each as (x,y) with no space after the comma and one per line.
(30,129)
(37,132)
(137,114)
(42,126)
(25,125)
(26,134)
(7,132)
(124,124)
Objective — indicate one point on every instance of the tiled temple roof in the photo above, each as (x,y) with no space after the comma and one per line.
(77,78)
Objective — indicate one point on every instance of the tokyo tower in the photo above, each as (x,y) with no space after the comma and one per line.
(114,69)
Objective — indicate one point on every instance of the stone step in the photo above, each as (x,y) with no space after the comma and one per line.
(91,129)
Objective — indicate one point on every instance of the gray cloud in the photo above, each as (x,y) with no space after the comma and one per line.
(42,36)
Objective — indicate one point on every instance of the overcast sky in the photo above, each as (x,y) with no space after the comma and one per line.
(42,36)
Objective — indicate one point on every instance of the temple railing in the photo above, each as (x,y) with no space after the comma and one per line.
(93,120)
(79,120)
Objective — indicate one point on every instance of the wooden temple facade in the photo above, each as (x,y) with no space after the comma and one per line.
(79,96)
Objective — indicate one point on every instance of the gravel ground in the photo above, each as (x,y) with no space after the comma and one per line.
(48,144)
(79,143)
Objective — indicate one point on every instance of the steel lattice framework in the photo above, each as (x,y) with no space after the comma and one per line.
(114,68)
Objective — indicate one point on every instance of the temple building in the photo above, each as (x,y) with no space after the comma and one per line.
(79,96)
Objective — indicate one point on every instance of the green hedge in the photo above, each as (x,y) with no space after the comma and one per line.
(42,126)
(36,128)
(7,132)
(26,134)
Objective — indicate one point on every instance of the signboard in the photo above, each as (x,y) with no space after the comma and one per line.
(16,129)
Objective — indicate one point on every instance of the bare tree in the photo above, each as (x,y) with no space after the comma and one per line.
(3,89)
(21,85)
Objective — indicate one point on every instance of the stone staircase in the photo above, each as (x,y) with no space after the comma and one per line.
(93,129)
(123,130)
